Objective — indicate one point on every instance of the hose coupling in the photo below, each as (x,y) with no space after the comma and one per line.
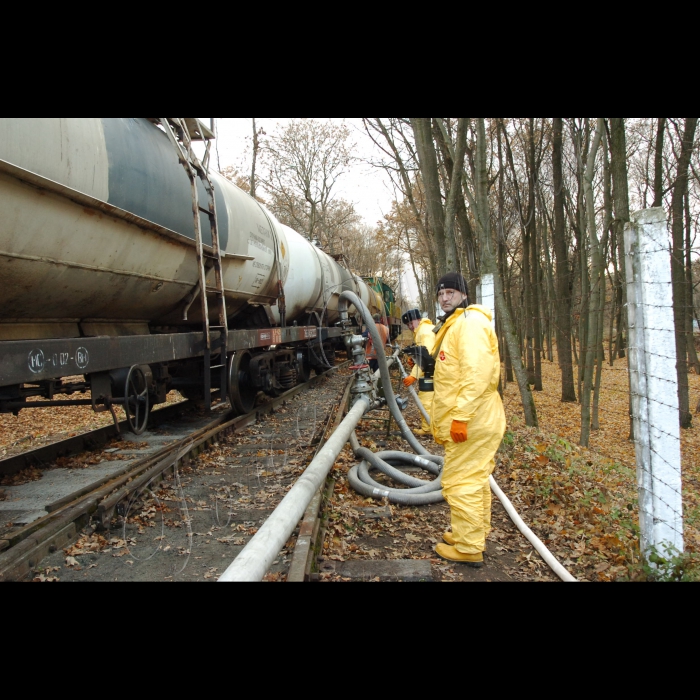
(356,347)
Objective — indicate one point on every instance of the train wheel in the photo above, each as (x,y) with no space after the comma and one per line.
(240,387)
(136,401)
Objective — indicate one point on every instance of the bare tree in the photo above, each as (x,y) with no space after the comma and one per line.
(256,147)
(678,275)
(564,282)
(303,162)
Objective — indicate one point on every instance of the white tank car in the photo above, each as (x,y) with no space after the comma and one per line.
(97,238)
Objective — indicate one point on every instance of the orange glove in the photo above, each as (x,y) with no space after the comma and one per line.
(408,381)
(410,362)
(458,431)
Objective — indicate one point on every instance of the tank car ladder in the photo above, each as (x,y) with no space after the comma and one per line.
(182,132)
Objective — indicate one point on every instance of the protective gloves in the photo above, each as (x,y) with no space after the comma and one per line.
(458,431)
(410,362)
(408,381)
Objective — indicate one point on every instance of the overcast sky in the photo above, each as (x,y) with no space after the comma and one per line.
(365,186)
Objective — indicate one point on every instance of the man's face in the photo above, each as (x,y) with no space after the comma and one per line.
(450,299)
(413,325)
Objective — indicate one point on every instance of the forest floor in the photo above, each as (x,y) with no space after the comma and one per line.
(583,502)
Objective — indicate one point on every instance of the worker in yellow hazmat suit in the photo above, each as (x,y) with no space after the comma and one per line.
(422,329)
(467,417)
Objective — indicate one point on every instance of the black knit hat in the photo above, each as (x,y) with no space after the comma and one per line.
(452,280)
(411,315)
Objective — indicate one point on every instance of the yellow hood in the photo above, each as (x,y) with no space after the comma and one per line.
(484,310)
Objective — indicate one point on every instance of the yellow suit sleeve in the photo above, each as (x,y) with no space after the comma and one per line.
(473,347)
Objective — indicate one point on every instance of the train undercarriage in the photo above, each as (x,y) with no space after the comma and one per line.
(137,372)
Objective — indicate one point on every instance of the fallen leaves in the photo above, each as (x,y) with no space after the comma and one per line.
(46,577)
(87,544)
(22,477)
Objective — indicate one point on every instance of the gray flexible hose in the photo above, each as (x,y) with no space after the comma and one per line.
(378,343)
(418,492)
(414,393)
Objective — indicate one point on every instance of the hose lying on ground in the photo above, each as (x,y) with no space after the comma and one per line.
(419,492)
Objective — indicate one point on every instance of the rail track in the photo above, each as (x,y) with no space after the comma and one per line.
(169,468)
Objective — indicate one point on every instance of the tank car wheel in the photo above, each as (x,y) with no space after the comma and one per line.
(240,388)
(136,400)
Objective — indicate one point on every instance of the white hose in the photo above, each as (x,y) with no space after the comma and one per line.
(534,540)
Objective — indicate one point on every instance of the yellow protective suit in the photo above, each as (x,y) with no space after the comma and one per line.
(467,371)
(424,336)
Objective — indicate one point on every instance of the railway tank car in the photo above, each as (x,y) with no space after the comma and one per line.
(101,262)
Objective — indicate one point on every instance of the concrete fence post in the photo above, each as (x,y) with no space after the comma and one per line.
(485,296)
(653,381)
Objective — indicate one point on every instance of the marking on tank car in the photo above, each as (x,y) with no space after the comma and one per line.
(82,358)
(258,280)
(260,246)
(35,361)
(264,231)
(261,266)
(310,332)
(257,238)
(276,336)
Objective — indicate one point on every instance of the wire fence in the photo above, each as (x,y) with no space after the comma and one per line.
(642,388)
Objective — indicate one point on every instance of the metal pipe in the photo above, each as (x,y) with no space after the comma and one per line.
(257,556)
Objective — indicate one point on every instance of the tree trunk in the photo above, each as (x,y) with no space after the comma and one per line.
(678,279)
(602,247)
(621,209)
(489,266)
(551,294)
(535,308)
(468,243)
(564,282)
(427,159)
(692,352)
(256,146)
(595,288)
(534,357)
(659,164)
